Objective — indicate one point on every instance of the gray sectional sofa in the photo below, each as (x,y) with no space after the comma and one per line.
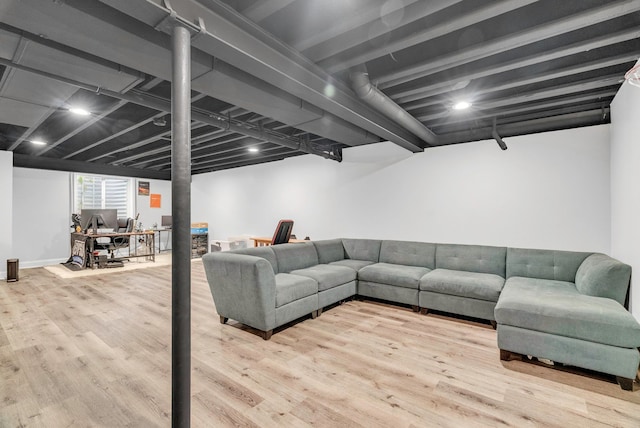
(558,305)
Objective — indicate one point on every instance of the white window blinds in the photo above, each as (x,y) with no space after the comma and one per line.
(94,191)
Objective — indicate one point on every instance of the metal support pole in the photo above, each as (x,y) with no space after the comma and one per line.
(181,239)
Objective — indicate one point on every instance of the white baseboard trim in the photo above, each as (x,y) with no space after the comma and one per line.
(41,263)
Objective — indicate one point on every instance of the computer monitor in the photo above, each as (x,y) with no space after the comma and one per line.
(99,219)
(166,221)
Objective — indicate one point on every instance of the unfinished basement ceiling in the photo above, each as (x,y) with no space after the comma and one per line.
(290,77)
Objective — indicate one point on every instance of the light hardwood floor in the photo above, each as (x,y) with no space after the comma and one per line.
(95,351)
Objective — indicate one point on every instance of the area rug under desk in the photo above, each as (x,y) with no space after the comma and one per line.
(62,272)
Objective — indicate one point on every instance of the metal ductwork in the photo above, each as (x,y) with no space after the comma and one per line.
(375,98)
(496,136)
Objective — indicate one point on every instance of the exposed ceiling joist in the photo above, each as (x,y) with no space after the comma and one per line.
(43,162)
(258,74)
(509,110)
(425,90)
(165,106)
(415,37)
(265,8)
(476,93)
(547,123)
(287,70)
(511,41)
(358,29)
(586,85)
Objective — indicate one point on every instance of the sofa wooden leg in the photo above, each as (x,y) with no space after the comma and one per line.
(493,324)
(314,314)
(223,320)
(415,308)
(626,384)
(424,311)
(266,335)
(505,355)
(319,312)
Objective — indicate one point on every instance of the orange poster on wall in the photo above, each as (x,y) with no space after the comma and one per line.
(154,200)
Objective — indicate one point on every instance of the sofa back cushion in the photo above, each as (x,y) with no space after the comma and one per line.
(362,249)
(408,253)
(329,250)
(295,256)
(602,276)
(264,252)
(544,264)
(472,258)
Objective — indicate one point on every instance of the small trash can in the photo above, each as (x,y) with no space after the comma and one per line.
(102,261)
(12,270)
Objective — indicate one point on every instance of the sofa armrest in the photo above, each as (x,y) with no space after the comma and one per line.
(243,288)
(602,276)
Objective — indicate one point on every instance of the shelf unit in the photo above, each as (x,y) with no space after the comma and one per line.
(199,244)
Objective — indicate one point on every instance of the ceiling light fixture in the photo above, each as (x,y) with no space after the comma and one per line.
(253,149)
(460,85)
(38,142)
(159,121)
(461,105)
(79,111)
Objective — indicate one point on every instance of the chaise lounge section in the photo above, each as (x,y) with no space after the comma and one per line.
(558,305)
(568,307)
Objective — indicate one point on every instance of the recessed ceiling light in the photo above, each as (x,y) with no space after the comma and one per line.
(460,85)
(38,142)
(461,105)
(159,121)
(253,149)
(79,111)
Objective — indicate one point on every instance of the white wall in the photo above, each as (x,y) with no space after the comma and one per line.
(625,189)
(6,214)
(41,216)
(547,190)
(41,213)
(149,216)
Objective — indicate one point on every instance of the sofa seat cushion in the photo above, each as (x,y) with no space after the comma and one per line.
(352,263)
(482,286)
(556,307)
(327,276)
(290,288)
(392,274)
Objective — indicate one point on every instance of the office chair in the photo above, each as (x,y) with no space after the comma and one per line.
(283,232)
(125,225)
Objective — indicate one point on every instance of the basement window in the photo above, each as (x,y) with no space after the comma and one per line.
(96,191)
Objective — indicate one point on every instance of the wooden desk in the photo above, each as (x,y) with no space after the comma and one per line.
(148,238)
(264,241)
(167,244)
